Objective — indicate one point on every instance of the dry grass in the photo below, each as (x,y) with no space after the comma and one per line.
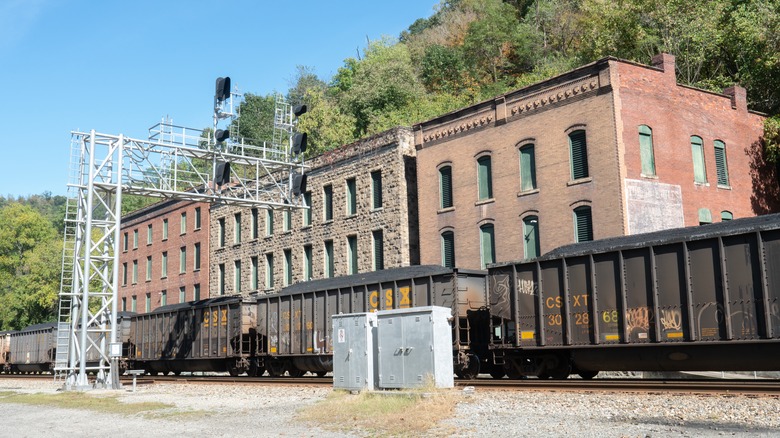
(387,413)
(80,400)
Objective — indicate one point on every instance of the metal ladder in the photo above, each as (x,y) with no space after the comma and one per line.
(61,359)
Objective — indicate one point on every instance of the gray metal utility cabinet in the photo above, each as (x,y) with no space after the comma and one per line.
(354,351)
(415,344)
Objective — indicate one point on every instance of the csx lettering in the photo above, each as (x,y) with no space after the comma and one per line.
(580,300)
(553,302)
(406,301)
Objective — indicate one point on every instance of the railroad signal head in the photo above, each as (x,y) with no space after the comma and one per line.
(223,89)
(298,183)
(221,135)
(299,110)
(222,174)
(299,143)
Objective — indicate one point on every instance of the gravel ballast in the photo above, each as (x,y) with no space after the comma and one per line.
(260,410)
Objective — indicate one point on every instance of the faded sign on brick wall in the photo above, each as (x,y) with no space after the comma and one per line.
(653,206)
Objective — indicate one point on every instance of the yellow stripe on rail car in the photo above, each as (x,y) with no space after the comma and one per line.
(527,335)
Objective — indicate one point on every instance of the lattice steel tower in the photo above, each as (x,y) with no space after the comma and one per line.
(173,163)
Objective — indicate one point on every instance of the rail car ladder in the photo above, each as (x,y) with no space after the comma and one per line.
(68,269)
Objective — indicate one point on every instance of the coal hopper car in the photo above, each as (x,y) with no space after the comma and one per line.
(295,326)
(703,298)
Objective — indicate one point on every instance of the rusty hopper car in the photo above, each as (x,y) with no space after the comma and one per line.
(295,326)
(5,351)
(216,334)
(33,348)
(701,298)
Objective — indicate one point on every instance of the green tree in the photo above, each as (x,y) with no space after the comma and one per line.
(256,118)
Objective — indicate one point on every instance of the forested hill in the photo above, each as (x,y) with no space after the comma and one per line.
(471,50)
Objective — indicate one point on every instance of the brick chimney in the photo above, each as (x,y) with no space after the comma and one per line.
(665,62)
(738,97)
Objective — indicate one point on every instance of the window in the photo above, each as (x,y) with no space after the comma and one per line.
(269,271)
(327,203)
(329,259)
(287,267)
(135,271)
(307,263)
(164,298)
(182,259)
(133,304)
(531,237)
(448,249)
(720,163)
(352,254)
(164,267)
(445,187)
(148,302)
(149,234)
(578,148)
(221,235)
(124,243)
(182,294)
(307,211)
(221,279)
(254,280)
(379,249)
(269,222)
(351,197)
(196,265)
(165,229)
(237,228)
(376,189)
(487,245)
(705,216)
(697,150)
(149,268)
(254,224)
(287,219)
(237,276)
(197,218)
(183,223)
(726,215)
(135,239)
(124,304)
(646,150)
(196,292)
(527,168)
(485,178)
(583,224)
(124,274)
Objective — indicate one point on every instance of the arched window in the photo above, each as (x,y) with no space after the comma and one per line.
(697,151)
(578,148)
(646,150)
(726,215)
(445,187)
(487,245)
(720,163)
(583,224)
(527,168)
(531,237)
(485,177)
(448,249)
(705,216)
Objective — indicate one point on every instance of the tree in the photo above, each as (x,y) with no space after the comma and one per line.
(256,118)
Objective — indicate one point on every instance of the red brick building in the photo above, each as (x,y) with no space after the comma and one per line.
(611,148)
(164,255)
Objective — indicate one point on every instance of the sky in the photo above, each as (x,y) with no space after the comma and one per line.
(119,67)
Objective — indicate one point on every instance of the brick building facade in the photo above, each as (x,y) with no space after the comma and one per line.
(362,218)
(608,149)
(164,255)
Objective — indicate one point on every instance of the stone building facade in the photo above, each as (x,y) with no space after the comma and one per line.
(611,148)
(362,217)
(164,255)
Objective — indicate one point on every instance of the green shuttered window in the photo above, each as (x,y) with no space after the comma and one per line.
(352,245)
(697,151)
(720,163)
(445,186)
(531,237)
(379,250)
(376,188)
(351,197)
(583,224)
(487,243)
(579,155)
(646,150)
(448,249)
(527,168)
(327,203)
(485,178)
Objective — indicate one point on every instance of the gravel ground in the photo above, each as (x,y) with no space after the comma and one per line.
(264,411)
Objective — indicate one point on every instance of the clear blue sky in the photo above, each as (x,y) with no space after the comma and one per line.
(119,66)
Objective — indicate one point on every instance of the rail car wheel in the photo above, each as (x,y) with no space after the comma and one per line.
(587,375)
(321,373)
(470,369)
(234,371)
(497,374)
(276,368)
(295,372)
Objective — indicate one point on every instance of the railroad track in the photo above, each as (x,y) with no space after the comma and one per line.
(749,387)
